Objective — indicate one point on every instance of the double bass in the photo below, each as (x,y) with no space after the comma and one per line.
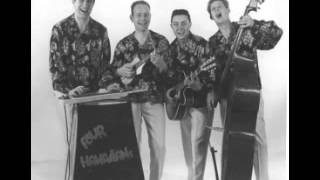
(240,82)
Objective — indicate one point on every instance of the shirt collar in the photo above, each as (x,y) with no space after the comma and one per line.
(73,22)
(234,29)
(150,35)
(189,36)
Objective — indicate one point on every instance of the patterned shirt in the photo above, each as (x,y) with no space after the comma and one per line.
(78,59)
(129,48)
(186,56)
(262,35)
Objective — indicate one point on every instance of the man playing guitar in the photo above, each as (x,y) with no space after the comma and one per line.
(187,54)
(149,47)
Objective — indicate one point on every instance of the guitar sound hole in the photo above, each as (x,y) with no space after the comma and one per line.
(173,93)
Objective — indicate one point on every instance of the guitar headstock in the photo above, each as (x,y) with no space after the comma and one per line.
(208,64)
(253,5)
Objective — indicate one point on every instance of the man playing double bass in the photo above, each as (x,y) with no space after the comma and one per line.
(262,35)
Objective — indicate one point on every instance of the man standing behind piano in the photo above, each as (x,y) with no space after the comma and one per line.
(79,55)
(151,47)
(262,35)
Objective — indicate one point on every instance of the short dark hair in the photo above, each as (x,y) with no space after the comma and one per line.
(137,3)
(76,0)
(180,12)
(225,3)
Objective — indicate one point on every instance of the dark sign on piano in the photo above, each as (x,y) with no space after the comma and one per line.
(106,146)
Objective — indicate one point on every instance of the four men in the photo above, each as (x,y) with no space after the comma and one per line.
(80,63)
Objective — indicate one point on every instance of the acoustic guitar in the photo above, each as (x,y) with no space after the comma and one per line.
(181,97)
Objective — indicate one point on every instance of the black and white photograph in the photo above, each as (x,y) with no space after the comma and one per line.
(159,90)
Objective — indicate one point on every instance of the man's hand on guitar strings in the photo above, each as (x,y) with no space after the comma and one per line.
(158,61)
(246,21)
(102,90)
(114,87)
(193,82)
(79,90)
(126,71)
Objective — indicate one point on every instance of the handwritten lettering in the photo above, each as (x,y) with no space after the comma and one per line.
(97,133)
(106,158)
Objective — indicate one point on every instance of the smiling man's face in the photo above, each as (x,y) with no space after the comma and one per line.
(83,8)
(181,26)
(141,17)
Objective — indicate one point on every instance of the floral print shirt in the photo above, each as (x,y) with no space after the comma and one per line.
(151,78)
(78,59)
(186,56)
(263,35)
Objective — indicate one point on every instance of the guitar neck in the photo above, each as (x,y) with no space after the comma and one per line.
(146,59)
(141,62)
(197,71)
